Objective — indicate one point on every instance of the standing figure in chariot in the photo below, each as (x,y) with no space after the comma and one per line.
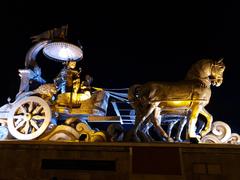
(68,80)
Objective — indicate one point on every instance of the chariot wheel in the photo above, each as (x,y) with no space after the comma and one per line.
(29,118)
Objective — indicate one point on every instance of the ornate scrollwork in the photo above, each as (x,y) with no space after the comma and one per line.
(221,133)
(234,139)
(210,138)
(221,130)
(89,135)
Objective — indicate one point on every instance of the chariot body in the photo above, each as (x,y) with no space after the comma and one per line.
(60,109)
(63,108)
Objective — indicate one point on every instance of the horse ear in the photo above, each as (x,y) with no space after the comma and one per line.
(220,60)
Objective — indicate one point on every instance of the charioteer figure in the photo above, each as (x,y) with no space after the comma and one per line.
(68,80)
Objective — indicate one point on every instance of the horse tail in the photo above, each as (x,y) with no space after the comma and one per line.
(133,93)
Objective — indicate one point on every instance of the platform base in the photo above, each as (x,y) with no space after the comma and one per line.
(85,161)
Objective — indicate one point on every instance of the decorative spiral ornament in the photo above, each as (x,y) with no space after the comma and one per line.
(60,133)
(210,138)
(234,139)
(222,131)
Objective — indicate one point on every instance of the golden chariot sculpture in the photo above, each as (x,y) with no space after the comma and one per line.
(63,108)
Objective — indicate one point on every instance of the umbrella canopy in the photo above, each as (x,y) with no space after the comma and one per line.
(63,51)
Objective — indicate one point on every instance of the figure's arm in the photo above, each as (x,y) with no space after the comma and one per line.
(60,80)
(78,73)
(76,80)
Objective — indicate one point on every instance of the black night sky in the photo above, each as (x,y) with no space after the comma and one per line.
(125,43)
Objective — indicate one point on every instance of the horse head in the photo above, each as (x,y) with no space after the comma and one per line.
(208,71)
(217,70)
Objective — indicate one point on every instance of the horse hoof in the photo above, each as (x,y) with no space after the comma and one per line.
(136,139)
(194,140)
(131,136)
(179,140)
(168,139)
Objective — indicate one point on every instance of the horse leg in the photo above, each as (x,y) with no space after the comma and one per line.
(170,127)
(208,125)
(132,134)
(141,117)
(183,122)
(157,124)
(149,125)
(200,126)
(144,130)
(138,122)
(193,120)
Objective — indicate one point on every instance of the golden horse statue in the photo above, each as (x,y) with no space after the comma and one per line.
(192,95)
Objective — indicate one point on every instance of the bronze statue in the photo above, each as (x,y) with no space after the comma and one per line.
(191,94)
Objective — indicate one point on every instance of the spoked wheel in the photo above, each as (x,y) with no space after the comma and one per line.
(29,118)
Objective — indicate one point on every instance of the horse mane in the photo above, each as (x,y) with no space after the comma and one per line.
(197,69)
